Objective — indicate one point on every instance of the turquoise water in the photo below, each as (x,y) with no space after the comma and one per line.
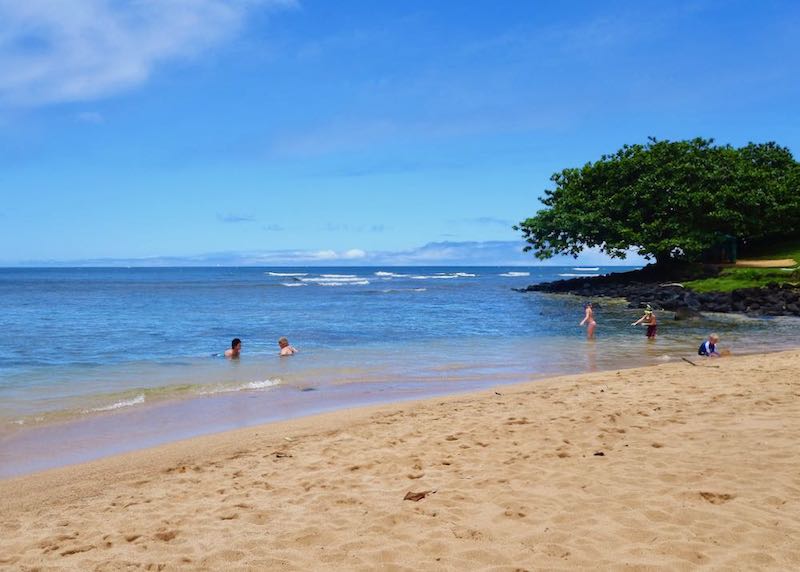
(82,343)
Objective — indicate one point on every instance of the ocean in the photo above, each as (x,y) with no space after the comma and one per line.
(101,360)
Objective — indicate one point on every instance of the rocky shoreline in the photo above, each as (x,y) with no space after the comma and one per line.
(642,287)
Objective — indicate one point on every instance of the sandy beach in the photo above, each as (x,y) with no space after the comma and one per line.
(669,467)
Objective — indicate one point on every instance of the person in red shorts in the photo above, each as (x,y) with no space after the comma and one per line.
(649,320)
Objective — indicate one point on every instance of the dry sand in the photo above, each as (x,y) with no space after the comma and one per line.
(700,467)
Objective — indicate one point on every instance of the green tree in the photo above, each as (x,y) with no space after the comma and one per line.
(668,200)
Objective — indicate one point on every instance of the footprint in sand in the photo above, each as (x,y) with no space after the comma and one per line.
(77,550)
(716,498)
(166,535)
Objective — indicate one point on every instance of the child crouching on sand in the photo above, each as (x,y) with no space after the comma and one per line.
(709,347)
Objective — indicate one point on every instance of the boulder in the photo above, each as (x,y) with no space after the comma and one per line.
(686,313)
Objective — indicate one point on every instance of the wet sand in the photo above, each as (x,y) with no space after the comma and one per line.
(668,467)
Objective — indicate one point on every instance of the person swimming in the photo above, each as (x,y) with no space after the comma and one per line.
(588,319)
(286,349)
(235,350)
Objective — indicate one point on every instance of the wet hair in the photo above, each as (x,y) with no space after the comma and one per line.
(235,342)
(587,304)
(282,341)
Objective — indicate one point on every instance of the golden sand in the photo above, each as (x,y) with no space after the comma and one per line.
(670,467)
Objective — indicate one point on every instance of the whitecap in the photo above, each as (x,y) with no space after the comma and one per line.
(340,279)
(514,274)
(292,284)
(568,275)
(437,277)
(348,283)
(287,273)
(587,268)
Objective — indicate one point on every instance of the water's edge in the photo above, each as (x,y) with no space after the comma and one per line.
(76,441)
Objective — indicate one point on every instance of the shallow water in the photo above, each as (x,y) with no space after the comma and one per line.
(142,346)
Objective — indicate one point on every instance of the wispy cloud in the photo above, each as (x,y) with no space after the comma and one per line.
(343,227)
(74,51)
(446,253)
(235,218)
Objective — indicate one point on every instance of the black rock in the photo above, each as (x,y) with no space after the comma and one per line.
(660,288)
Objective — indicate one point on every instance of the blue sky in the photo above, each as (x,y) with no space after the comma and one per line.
(268,131)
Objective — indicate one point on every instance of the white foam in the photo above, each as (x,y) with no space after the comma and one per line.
(347,283)
(383,274)
(120,404)
(292,284)
(444,276)
(568,275)
(388,290)
(287,273)
(585,268)
(437,277)
(338,275)
(261,384)
(249,386)
(341,279)
(513,274)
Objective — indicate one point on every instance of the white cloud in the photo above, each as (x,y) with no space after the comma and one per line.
(73,51)
(354,253)
(323,255)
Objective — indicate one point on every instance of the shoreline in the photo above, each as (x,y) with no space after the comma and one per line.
(46,447)
(27,450)
(699,466)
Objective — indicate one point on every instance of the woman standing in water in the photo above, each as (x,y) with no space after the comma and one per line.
(588,319)
(649,320)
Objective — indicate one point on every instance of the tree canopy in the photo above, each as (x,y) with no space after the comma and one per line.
(669,200)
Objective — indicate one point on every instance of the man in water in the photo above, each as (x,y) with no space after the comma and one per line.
(649,320)
(286,349)
(236,349)
(709,347)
